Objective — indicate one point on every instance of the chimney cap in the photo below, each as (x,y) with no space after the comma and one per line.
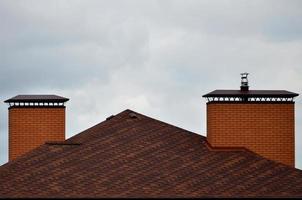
(251,93)
(37,99)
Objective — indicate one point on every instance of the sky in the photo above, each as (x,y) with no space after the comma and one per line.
(155,57)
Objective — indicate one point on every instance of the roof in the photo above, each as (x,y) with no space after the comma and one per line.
(251,93)
(36,98)
(132,155)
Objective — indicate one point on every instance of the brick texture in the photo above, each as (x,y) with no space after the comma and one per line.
(265,128)
(29,127)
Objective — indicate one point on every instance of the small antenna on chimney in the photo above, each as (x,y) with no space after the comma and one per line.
(244,82)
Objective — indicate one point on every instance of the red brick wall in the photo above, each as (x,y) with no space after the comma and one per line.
(30,127)
(265,128)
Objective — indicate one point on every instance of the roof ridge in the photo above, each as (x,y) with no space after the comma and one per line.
(166,123)
(125,113)
(109,119)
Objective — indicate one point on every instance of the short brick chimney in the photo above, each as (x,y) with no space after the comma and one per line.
(262,121)
(33,120)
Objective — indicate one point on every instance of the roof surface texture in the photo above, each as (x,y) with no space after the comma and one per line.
(132,155)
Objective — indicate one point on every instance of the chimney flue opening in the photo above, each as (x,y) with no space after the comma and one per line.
(244,82)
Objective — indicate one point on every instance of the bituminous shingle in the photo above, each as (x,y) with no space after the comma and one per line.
(144,157)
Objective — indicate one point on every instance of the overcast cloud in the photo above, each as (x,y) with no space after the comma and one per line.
(155,57)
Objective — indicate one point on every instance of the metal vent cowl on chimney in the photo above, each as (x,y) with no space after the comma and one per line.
(244,82)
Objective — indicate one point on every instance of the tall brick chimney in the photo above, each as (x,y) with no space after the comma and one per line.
(262,121)
(33,120)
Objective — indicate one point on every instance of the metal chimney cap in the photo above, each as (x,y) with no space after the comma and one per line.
(244,82)
(36,98)
(244,74)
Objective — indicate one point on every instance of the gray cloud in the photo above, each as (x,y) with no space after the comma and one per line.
(155,57)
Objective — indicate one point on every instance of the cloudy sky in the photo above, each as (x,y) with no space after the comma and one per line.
(155,57)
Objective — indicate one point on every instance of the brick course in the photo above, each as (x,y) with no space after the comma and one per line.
(265,128)
(29,127)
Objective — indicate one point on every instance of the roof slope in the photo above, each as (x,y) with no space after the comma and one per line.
(131,155)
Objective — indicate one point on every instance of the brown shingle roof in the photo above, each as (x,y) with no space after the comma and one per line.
(128,156)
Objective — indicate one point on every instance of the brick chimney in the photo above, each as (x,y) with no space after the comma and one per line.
(33,120)
(262,121)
